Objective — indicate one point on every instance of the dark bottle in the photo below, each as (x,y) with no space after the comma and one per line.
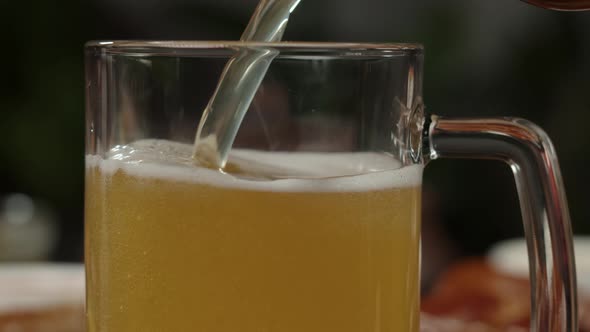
(562,4)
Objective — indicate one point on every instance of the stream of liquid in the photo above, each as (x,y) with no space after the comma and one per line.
(239,82)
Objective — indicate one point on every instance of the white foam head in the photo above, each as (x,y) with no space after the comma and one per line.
(290,171)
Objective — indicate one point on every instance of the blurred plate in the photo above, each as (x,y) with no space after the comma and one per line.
(511,257)
(38,286)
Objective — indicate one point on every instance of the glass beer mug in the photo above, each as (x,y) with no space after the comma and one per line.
(314,225)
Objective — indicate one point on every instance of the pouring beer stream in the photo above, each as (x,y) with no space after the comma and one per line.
(239,82)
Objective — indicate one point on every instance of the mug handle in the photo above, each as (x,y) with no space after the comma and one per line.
(528,151)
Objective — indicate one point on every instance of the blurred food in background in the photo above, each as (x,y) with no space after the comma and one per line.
(41,297)
(494,290)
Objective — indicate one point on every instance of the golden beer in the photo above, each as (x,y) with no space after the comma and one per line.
(173,247)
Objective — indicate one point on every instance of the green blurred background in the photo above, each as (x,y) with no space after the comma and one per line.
(483,58)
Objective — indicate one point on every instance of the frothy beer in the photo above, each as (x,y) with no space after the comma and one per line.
(291,242)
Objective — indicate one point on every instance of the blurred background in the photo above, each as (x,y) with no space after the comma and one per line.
(483,58)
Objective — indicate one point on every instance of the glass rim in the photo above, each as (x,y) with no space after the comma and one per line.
(157,46)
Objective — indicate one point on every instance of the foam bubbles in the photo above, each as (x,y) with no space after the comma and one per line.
(268,171)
